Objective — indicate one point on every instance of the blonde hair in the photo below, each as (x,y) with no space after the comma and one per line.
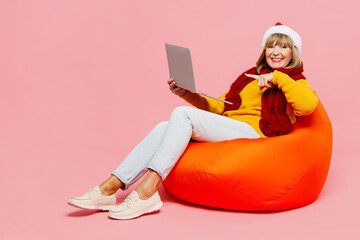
(283,40)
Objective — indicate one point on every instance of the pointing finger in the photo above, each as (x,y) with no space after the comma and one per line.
(252,76)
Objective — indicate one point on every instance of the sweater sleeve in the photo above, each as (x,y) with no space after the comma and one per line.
(205,103)
(299,94)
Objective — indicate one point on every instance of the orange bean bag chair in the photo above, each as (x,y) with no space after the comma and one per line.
(257,174)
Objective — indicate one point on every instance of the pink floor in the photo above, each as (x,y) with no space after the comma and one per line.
(33,209)
(83,81)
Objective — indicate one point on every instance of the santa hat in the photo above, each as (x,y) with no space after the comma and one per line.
(279,28)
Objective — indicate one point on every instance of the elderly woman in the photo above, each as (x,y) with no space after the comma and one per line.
(266,100)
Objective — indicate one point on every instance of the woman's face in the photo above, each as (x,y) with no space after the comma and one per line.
(278,56)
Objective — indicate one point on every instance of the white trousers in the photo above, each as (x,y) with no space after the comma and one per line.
(164,145)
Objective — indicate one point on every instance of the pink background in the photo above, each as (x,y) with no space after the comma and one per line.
(83,81)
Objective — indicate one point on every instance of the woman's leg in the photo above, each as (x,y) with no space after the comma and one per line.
(135,164)
(186,123)
(148,185)
(110,185)
(145,189)
(165,144)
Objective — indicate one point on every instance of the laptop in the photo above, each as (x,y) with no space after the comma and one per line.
(181,69)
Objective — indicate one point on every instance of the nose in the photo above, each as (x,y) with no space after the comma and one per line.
(276,50)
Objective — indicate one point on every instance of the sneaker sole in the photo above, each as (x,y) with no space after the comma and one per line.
(96,207)
(151,209)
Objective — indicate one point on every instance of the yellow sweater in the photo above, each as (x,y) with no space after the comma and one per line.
(301,99)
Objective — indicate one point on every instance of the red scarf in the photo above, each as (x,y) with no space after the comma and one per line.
(274,120)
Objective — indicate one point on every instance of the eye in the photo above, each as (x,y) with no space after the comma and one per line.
(284,47)
(270,47)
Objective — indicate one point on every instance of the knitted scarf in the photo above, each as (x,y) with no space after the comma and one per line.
(274,119)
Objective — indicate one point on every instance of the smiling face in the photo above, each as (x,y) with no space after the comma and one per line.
(278,55)
(279,52)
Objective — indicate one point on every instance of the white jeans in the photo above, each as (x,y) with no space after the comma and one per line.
(164,145)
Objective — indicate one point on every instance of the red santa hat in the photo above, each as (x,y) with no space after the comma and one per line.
(279,28)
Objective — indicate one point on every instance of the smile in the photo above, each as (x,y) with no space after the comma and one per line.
(276,60)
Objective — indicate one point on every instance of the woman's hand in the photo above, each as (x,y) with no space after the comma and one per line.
(176,90)
(264,80)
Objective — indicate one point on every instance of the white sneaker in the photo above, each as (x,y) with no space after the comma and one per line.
(94,199)
(133,206)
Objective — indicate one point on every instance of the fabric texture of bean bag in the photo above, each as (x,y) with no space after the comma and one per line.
(264,174)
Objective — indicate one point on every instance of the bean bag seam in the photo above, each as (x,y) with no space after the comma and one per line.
(219,153)
(288,189)
(314,162)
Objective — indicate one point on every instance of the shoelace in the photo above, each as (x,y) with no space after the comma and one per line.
(129,201)
(92,192)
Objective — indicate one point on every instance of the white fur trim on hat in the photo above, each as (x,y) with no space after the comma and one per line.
(279,28)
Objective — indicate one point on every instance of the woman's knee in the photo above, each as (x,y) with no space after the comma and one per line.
(161,126)
(182,111)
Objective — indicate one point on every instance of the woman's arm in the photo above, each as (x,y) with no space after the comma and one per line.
(205,103)
(197,100)
(299,94)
